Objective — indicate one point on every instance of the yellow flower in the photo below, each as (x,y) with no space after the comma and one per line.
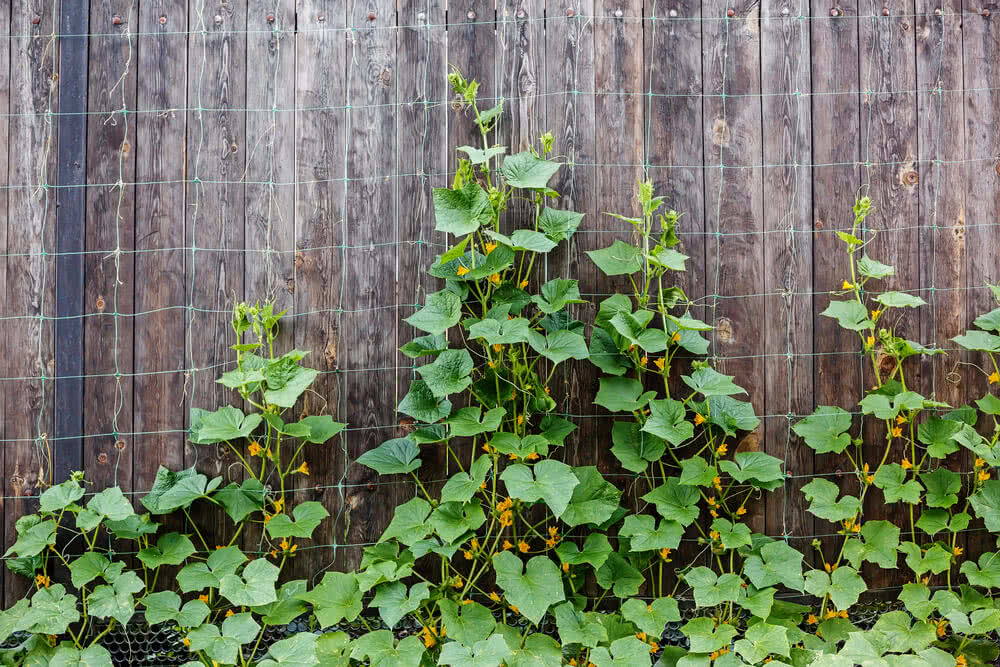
(461,271)
(466,601)
(717,483)
(458,583)
(900,419)
(531,457)
(980,463)
(722,449)
(523,547)
(876,313)
(984,475)
(896,431)
(515,609)
(279,504)
(644,361)
(506,519)
(520,419)
(490,247)
(994,377)
(812,620)
(870,341)
(715,515)
(467,554)
(565,567)
(474,543)
(676,337)
(186,641)
(495,279)
(711,501)
(960,660)
(831,614)
(842,613)
(42,581)
(203,598)
(507,545)
(254,449)
(493,596)
(714,534)
(653,647)
(230,612)
(303,469)
(847,285)
(905,464)
(741,511)
(660,363)
(497,347)
(547,390)
(523,284)
(284,544)
(665,554)
(957,551)
(641,636)
(698,419)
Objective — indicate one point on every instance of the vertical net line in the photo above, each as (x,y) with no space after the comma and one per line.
(722,177)
(935,231)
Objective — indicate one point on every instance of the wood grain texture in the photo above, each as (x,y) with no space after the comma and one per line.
(7,386)
(787,261)
(320,129)
(734,249)
(109,275)
(214,220)
(835,181)
(981,49)
(472,50)
(30,268)
(368,334)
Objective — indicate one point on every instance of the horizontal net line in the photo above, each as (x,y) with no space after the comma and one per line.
(575,165)
(587,18)
(446,103)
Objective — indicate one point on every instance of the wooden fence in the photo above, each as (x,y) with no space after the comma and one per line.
(167,157)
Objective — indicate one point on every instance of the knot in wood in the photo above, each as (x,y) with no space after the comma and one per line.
(102,458)
(910,177)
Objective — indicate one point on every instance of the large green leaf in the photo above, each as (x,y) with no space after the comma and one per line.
(335,599)
(226,423)
(653,617)
(466,623)
(891,478)
(755,468)
(396,456)
(762,640)
(115,600)
(844,585)
(644,535)
(550,480)
(594,499)
(308,516)
(393,602)
(604,353)
(299,650)
(826,429)
(711,589)
(461,211)
(942,487)
(979,341)
(617,259)
(199,576)
(849,314)
(68,656)
(173,490)
(899,300)
(240,501)
(881,540)
(255,586)
(286,379)
(920,560)
(776,563)
(559,346)
(595,551)
(421,404)
(625,652)
(710,382)
(60,496)
(986,503)
(409,522)
(441,311)
(667,421)
(618,574)
(532,588)
(223,645)
(871,268)
(467,421)
(501,332)
(448,373)
(33,540)
(559,225)
(166,606)
(620,394)
(462,486)
(822,494)
(52,611)
(634,448)
(557,294)
(576,627)
(485,653)
(170,549)
(675,501)
(381,650)
(425,345)
(525,170)
(319,428)
(453,520)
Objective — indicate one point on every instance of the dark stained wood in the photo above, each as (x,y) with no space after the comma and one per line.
(787,262)
(835,181)
(30,273)
(570,116)
(109,275)
(5,94)
(368,334)
(214,222)
(471,49)
(889,143)
(941,124)
(981,49)
(734,248)
(320,128)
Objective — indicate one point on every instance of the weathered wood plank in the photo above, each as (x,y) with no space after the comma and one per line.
(734,220)
(109,275)
(787,262)
(214,220)
(520,55)
(5,387)
(941,120)
(30,266)
(422,148)
(471,49)
(889,140)
(570,116)
(835,180)
(320,124)
(368,335)
(981,57)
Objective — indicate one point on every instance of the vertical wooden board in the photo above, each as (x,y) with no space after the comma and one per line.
(981,49)
(889,145)
(835,180)
(214,221)
(30,264)
(368,335)
(787,262)
(421,146)
(159,355)
(5,91)
(941,141)
(618,106)
(570,116)
(109,262)
(520,68)
(320,121)
(471,49)
(734,249)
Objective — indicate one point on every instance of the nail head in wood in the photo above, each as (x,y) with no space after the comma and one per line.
(835,12)
(570,12)
(520,14)
(270,18)
(885,11)
(371,16)
(471,16)
(673,13)
(986,13)
(730,12)
(117,20)
(218,19)
(35,20)
(619,13)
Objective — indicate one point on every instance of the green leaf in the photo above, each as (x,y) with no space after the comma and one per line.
(115,601)
(826,429)
(254,587)
(732,535)
(320,428)
(479,155)
(462,486)
(674,501)
(871,268)
(753,467)
(634,448)
(626,652)
(559,346)
(844,585)
(173,490)
(942,487)
(557,294)
(335,599)
(881,540)
(110,504)
(525,170)
(989,403)
(986,574)
(409,522)
(620,576)
(448,373)
(441,311)
(379,649)
(553,482)
(308,516)
(559,225)
(695,471)
(501,332)
(667,421)
(534,591)
(287,607)
(711,589)
(538,650)
(709,382)
(576,627)
(617,259)
(223,646)
(986,503)
(198,576)
(776,563)
(60,496)
(849,314)
(890,478)
(466,623)
(226,423)
(979,341)
(900,300)
(595,551)
(52,611)
(92,656)
(762,640)
(594,499)
(393,602)
(453,520)
(466,422)
(935,559)
(461,211)
(989,321)
(486,653)
(396,456)
(645,536)
(166,606)
(299,650)
(605,355)
(425,345)
(240,501)
(651,618)
(34,540)
(421,404)
(706,637)
(938,434)
(822,495)
(171,549)
(729,414)
(619,394)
